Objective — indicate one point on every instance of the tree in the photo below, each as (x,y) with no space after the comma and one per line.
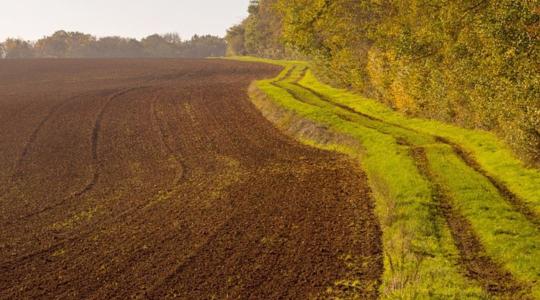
(111,47)
(65,44)
(204,46)
(260,33)
(17,48)
(470,62)
(253,7)
(55,46)
(2,51)
(172,38)
(235,40)
(158,46)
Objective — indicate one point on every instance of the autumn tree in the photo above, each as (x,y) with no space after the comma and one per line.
(17,48)
(64,44)
(260,33)
(235,40)
(469,62)
(111,47)
(204,46)
(158,46)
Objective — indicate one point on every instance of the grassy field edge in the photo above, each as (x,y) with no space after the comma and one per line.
(483,149)
(420,258)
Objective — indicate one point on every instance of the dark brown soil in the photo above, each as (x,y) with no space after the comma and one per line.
(158,178)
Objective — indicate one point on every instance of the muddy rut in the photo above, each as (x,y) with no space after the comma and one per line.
(174,187)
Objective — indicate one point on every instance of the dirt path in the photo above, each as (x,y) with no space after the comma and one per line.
(197,197)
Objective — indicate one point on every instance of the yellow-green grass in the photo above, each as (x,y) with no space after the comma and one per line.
(491,153)
(495,221)
(491,216)
(509,238)
(506,234)
(420,257)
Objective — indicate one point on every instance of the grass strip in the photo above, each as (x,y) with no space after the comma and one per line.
(466,164)
(492,155)
(420,257)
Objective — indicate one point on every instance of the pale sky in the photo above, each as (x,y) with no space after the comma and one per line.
(33,19)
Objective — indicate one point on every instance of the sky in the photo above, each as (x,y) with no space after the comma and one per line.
(33,19)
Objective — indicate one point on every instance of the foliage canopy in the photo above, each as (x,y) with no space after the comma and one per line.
(64,44)
(470,62)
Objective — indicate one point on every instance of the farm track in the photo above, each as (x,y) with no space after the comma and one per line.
(508,195)
(511,198)
(477,264)
(470,161)
(198,196)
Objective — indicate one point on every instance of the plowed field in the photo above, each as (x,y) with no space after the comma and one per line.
(159,178)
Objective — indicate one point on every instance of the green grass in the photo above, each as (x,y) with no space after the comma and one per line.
(420,256)
(502,230)
(491,153)
(508,237)
(506,234)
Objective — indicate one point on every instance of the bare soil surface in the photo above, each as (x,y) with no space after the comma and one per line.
(159,179)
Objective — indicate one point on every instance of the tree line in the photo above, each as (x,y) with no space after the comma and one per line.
(63,44)
(471,62)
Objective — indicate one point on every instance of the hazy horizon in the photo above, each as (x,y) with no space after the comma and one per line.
(34,19)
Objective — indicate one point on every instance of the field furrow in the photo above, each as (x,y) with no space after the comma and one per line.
(165,181)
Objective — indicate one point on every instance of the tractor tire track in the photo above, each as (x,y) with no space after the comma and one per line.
(511,198)
(478,265)
(147,234)
(516,202)
(31,140)
(95,139)
(34,134)
(163,136)
(95,135)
